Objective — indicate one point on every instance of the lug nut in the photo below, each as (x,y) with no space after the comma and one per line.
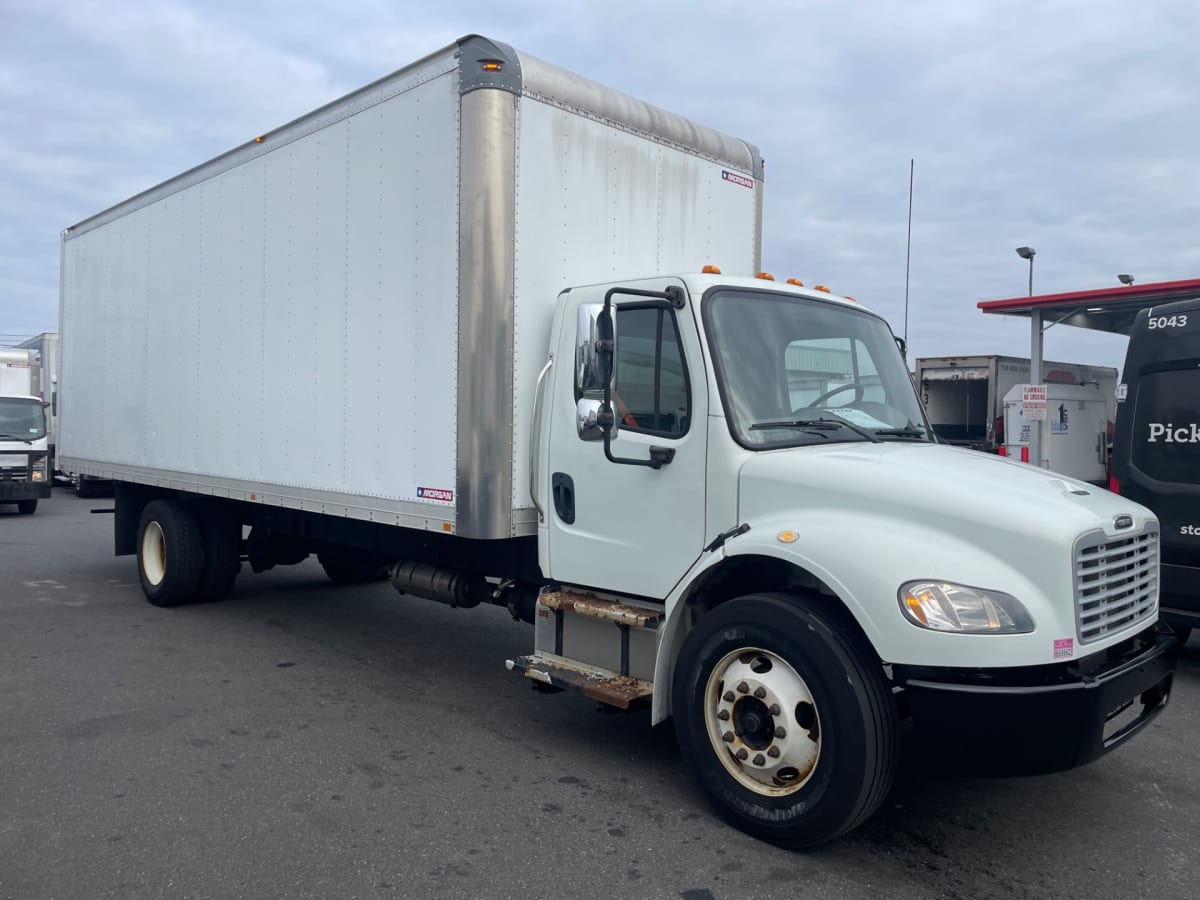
(729,697)
(723,714)
(743,688)
(741,754)
(727,737)
(759,760)
(760,692)
(780,733)
(773,752)
(774,709)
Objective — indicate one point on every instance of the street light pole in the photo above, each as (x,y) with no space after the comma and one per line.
(1028,253)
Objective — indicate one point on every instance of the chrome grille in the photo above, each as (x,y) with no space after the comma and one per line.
(1116,582)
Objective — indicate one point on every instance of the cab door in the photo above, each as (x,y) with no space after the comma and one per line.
(622,525)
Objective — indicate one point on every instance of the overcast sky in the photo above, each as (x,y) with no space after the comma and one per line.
(1068,126)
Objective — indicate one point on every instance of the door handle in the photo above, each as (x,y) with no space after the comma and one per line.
(563,488)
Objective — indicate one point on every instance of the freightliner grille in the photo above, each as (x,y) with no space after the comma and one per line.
(14,475)
(1116,582)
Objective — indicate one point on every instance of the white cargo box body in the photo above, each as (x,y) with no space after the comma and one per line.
(348,314)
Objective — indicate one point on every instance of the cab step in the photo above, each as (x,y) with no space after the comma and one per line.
(611,688)
(602,609)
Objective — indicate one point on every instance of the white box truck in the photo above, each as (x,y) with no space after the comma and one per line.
(432,330)
(964,395)
(24,445)
(46,347)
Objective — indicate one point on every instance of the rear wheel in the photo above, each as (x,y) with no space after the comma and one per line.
(785,719)
(222,535)
(27,507)
(170,553)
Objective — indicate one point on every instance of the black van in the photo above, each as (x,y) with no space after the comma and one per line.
(1156,446)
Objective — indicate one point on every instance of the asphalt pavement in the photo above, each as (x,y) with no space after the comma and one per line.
(303,740)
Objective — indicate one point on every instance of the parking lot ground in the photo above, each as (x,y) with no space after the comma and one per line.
(305,740)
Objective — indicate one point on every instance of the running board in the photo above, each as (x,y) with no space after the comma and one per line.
(621,691)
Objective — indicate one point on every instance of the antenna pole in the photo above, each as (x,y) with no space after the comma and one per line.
(908,248)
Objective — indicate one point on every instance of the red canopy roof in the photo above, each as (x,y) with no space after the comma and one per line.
(1104,309)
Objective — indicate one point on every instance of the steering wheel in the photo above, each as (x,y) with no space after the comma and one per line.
(853,385)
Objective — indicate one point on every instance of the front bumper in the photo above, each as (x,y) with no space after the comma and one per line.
(11,491)
(1041,718)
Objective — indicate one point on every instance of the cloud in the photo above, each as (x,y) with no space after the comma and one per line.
(1065,125)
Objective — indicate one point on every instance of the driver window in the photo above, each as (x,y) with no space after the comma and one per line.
(652,392)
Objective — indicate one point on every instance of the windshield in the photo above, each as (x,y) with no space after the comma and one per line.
(794,370)
(21,419)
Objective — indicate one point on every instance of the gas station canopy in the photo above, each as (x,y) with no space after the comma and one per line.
(1106,309)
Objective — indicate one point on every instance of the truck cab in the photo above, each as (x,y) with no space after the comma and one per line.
(1156,446)
(744,468)
(24,450)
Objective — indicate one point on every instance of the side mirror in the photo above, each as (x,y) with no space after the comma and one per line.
(903,345)
(587,420)
(591,365)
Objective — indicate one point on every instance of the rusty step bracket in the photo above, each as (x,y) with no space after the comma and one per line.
(621,691)
(599,608)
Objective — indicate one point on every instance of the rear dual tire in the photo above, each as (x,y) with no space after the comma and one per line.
(184,557)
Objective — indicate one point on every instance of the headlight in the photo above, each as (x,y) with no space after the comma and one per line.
(941,606)
(39,470)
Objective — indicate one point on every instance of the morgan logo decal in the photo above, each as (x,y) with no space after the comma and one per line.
(737,179)
(1064,648)
(435,494)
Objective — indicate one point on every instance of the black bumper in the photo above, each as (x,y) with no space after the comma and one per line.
(1180,595)
(11,491)
(1042,718)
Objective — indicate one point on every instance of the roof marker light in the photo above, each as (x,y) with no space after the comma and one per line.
(765,276)
(822,288)
(710,270)
(492,65)
(848,297)
(796,281)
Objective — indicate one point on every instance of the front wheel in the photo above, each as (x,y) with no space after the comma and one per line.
(27,507)
(785,719)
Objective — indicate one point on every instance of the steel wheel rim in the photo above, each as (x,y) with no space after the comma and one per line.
(762,721)
(154,553)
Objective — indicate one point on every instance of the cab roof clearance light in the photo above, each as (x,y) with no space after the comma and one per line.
(710,270)
(822,288)
(796,281)
(765,276)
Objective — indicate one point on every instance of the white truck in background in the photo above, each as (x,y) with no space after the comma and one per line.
(964,396)
(46,347)
(24,444)
(453,348)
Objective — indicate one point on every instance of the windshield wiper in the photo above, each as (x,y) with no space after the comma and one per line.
(14,437)
(913,431)
(823,424)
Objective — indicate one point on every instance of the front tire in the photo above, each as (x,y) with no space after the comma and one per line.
(170,553)
(785,719)
(27,507)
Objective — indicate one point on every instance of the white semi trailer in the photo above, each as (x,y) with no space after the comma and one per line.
(431,329)
(24,443)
